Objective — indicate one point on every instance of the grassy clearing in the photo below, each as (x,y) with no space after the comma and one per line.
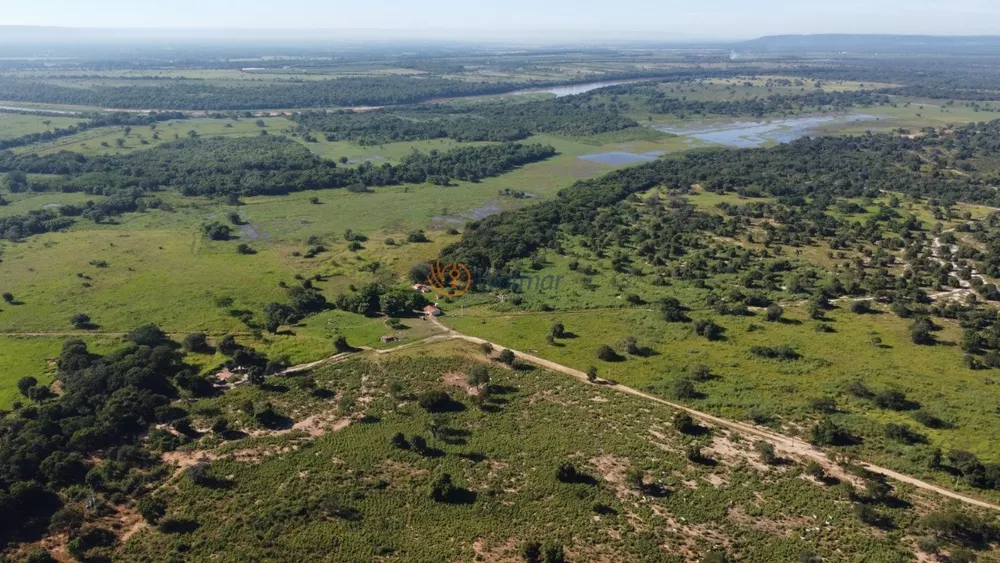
(929,375)
(14,125)
(22,203)
(93,141)
(34,356)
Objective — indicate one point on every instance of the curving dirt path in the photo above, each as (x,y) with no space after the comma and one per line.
(787,444)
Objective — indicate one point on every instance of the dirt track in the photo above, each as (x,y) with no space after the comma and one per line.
(786,444)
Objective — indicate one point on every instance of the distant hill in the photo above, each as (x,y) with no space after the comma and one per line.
(981,44)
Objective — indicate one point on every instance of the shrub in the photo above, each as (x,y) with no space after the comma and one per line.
(929,420)
(152,509)
(591,374)
(784,353)
(80,320)
(531,551)
(708,329)
(892,399)
(683,423)
(399,441)
(685,389)
(967,530)
(766,451)
(217,231)
(435,401)
(486,348)
(700,372)
(340,344)
(673,311)
(478,375)
(861,307)
(828,433)
(26,384)
(815,470)
(506,357)
(220,425)
(826,405)
(419,444)
(443,489)
(38,555)
(920,332)
(91,539)
(606,353)
(417,236)
(567,472)
(903,433)
(147,335)
(558,330)
(195,342)
(859,389)
(774,313)
(635,478)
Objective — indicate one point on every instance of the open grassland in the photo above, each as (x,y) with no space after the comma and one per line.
(930,376)
(14,125)
(21,203)
(104,140)
(914,115)
(345,493)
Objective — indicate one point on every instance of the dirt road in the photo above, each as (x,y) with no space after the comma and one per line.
(786,444)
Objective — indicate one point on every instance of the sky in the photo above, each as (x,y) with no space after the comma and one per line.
(665,19)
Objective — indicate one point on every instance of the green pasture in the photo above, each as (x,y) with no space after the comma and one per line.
(13,125)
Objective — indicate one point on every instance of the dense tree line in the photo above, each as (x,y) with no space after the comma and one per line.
(265,165)
(837,167)
(194,95)
(570,115)
(658,101)
(116,119)
(945,92)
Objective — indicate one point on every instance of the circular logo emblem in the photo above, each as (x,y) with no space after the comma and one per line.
(450,280)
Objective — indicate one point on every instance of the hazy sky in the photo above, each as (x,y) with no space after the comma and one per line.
(679,18)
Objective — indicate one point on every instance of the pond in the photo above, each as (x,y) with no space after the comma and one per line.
(615,158)
(750,134)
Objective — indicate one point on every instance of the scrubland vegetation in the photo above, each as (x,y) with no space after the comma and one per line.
(164,273)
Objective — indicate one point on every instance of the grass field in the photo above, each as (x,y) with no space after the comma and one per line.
(930,376)
(346,494)
(103,140)
(14,125)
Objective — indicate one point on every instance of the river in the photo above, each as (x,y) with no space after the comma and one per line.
(574,89)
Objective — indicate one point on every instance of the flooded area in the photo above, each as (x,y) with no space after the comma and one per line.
(615,158)
(30,110)
(491,207)
(751,134)
(575,89)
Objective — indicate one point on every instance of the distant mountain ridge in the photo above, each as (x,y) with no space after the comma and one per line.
(859,43)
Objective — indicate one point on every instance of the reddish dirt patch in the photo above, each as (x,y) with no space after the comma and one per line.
(456,379)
